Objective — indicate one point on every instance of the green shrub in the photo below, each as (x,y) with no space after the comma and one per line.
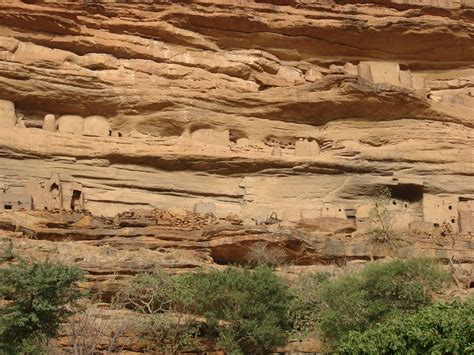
(36,298)
(355,301)
(344,306)
(403,285)
(163,304)
(305,301)
(442,328)
(247,309)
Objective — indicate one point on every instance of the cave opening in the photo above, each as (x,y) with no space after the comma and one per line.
(407,192)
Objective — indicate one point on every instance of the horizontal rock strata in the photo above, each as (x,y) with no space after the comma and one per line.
(279,120)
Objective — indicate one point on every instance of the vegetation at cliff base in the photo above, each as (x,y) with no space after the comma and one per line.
(441,328)
(245,309)
(354,301)
(163,308)
(248,309)
(385,307)
(35,298)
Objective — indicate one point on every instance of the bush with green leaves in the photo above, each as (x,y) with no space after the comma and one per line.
(403,285)
(36,297)
(441,328)
(247,309)
(355,301)
(163,306)
(304,302)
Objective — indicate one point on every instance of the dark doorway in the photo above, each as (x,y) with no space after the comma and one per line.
(76,200)
(407,192)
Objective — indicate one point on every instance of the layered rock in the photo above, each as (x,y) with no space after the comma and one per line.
(268,74)
(282,118)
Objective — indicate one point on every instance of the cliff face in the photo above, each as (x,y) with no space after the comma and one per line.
(385,88)
(276,121)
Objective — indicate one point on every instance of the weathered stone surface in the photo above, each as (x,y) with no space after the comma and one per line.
(49,123)
(207,100)
(97,126)
(71,124)
(7,114)
(211,136)
(204,207)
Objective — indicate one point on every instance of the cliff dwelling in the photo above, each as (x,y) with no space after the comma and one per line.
(179,154)
(55,194)
(15,202)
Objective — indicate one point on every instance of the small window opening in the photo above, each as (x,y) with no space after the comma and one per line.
(436,224)
(394,202)
(450,207)
(54,190)
(453,220)
(8,207)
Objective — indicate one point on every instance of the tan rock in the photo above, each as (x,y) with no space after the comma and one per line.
(7,114)
(97,126)
(255,73)
(405,79)
(385,72)
(351,69)
(276,151)
(49,123)
(71,124)
(365,71)
(305,148)
(313,75)
(211,136)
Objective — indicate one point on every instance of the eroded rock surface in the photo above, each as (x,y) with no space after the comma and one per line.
(281,118)
(213,100)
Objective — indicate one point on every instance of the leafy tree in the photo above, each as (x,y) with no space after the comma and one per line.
(248,309)
(355,301)
(442,328)
(403,285)
(164,310)
(344,306)
(35,298)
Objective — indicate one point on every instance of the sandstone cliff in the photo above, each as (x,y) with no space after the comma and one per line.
(296,109)
(268,72)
